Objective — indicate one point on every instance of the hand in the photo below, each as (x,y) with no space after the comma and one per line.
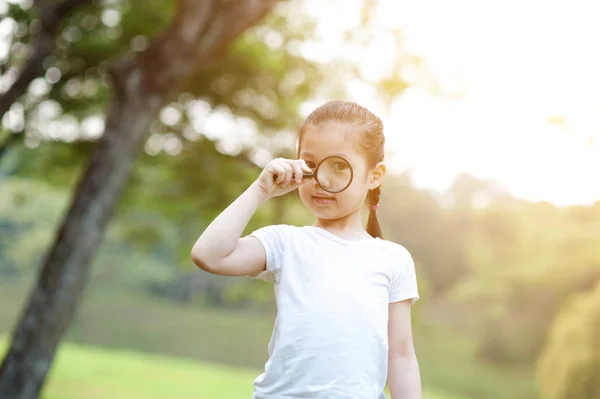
(276,178)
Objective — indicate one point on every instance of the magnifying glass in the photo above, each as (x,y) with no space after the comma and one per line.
(333,174)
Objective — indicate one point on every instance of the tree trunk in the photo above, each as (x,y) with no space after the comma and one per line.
(141,87)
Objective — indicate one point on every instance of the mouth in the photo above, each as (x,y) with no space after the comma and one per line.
(323,199)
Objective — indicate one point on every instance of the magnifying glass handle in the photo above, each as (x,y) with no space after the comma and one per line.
(305,176)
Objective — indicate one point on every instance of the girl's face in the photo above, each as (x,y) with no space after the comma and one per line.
(325,140)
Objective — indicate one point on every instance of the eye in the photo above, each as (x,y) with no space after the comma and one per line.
(340,166)
(311,164)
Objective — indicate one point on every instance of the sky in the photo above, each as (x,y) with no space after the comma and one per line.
(518,65)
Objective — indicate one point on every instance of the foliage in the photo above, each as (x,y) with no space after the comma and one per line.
(569,366)
(524,261)
(28,210)
(506,265)
(256,83)
(433,235)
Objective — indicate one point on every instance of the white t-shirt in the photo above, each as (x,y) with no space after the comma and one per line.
(330,338)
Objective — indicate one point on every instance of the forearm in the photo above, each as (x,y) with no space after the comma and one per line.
(221,236)
(404,379)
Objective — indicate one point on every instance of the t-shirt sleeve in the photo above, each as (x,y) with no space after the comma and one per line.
(404,283)
(273,240)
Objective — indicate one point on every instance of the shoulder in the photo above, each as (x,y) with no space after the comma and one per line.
(397,257)
(274,228)
(277,232)
(398,251)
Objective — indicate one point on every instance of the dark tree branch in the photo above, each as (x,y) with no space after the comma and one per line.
(43,45)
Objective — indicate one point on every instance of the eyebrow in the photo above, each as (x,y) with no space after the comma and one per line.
(338,154)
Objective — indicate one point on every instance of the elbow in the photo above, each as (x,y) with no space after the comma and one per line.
(201,260)
(402,353)
(401,349)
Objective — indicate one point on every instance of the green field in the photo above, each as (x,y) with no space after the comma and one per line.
(82,372)
(112,350)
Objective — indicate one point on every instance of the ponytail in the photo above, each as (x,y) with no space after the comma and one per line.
(373,227)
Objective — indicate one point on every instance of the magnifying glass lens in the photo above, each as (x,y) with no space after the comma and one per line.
(334,174)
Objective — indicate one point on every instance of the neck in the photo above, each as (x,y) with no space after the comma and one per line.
(349,226)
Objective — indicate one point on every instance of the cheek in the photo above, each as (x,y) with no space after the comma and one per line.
(304,191)
(354,195)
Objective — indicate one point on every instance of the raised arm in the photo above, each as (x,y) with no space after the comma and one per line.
(220,249)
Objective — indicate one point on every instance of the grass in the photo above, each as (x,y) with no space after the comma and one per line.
(82,372)
(118,321)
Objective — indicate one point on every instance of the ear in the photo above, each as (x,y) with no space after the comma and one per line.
(376,176)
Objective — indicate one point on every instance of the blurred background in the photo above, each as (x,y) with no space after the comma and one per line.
(128,125)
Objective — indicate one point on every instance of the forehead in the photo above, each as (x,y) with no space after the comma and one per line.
(328,139)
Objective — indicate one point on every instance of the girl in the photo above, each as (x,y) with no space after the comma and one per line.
(343,326)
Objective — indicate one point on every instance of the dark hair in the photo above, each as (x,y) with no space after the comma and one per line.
(371,142)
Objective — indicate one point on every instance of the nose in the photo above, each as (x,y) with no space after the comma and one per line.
(323,182)
(315,183)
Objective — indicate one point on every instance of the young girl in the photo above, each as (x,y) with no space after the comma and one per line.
(343,293)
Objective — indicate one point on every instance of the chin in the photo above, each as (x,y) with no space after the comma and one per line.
(328,214)
(323,212)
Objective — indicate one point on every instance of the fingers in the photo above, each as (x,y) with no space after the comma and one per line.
(300,168)
(288,171)
(283,171)
(305,167)
(297,167)
(277,169)
(279,172)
